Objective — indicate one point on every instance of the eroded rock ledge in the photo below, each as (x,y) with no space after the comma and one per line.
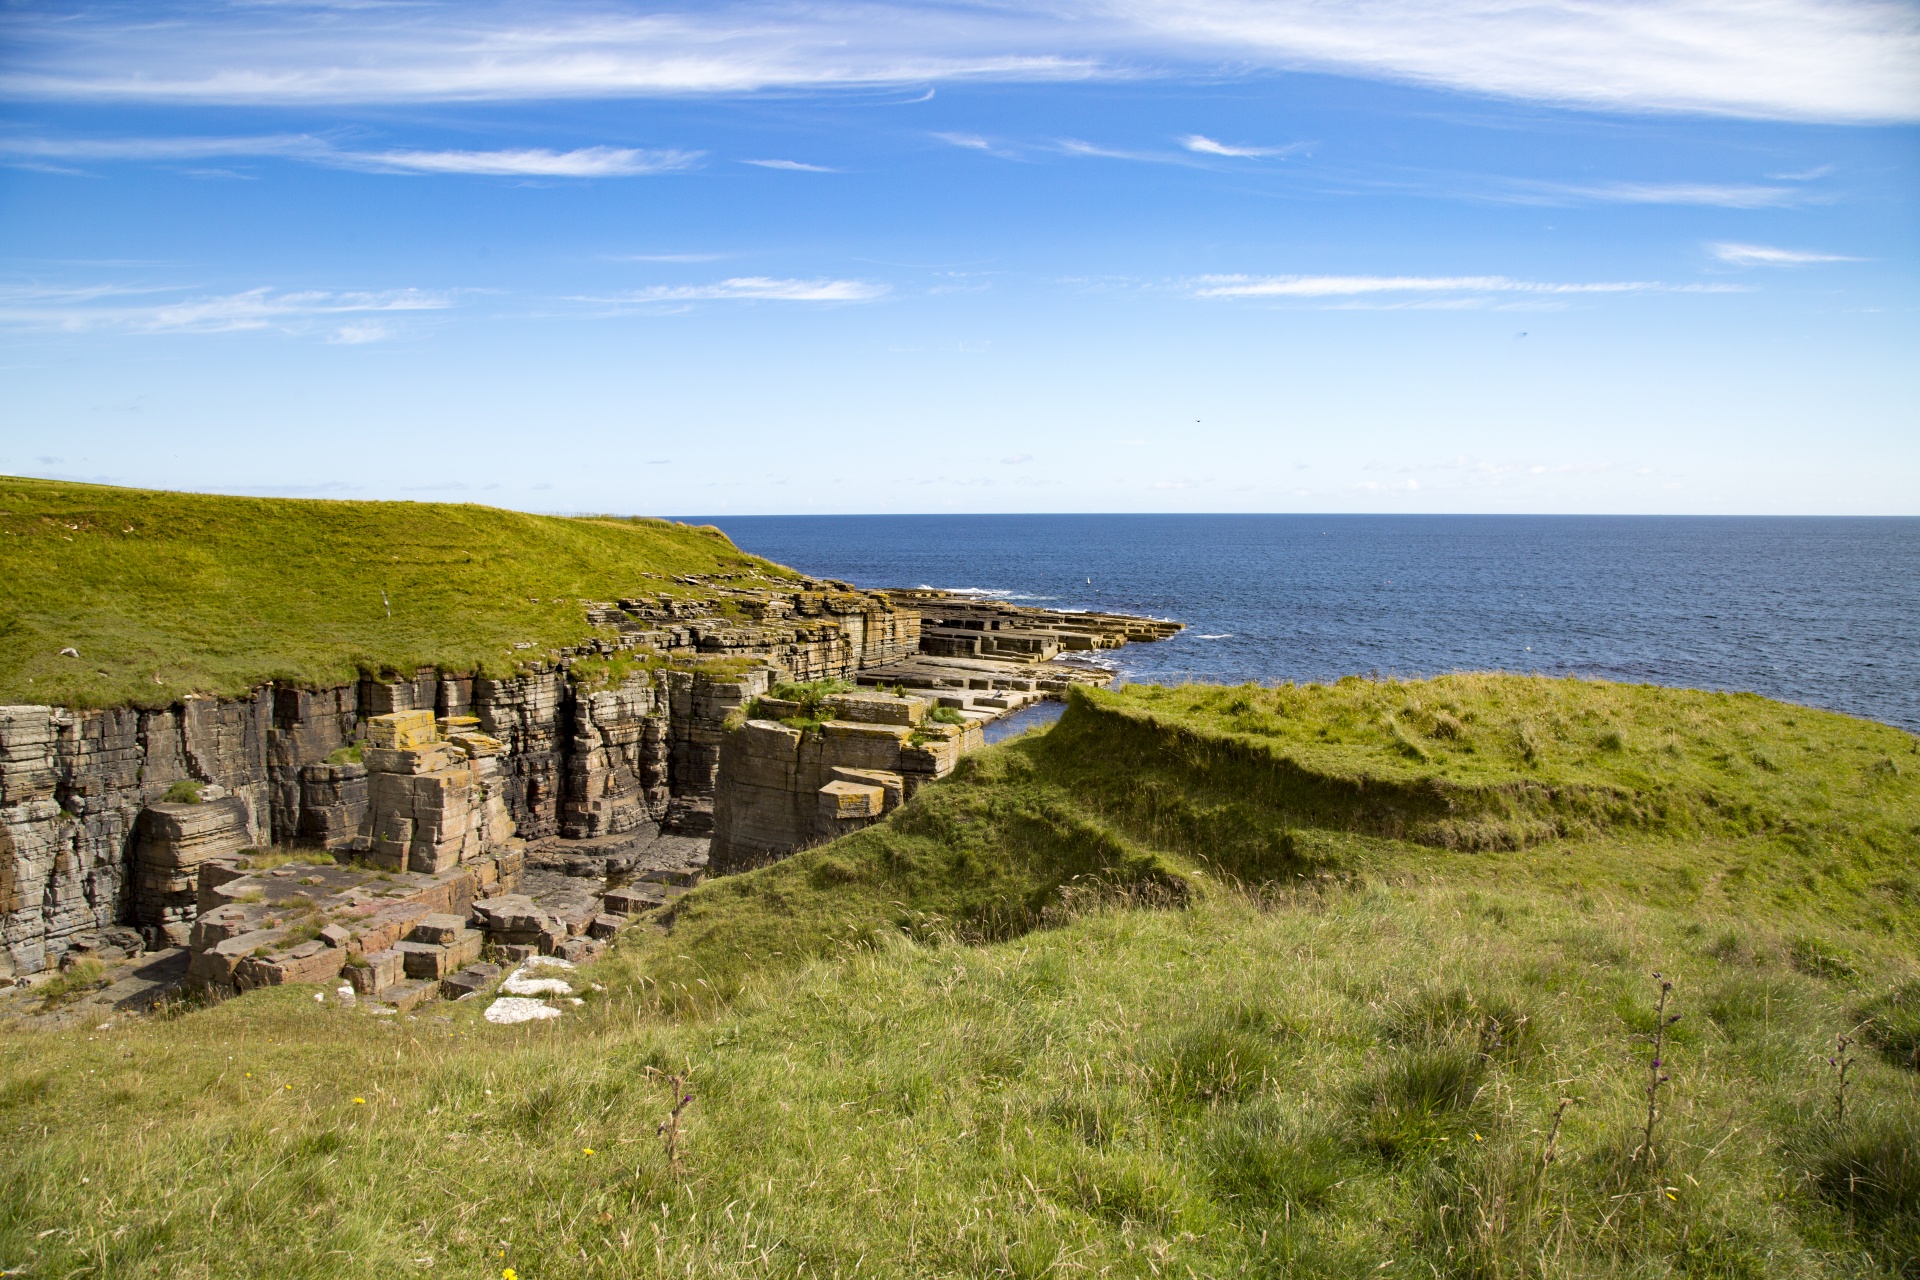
(580,764)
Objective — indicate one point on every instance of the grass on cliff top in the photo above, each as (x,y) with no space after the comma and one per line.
(1254,1037)
(165,594)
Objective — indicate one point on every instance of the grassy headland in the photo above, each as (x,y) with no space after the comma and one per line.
(165,594)
(1201,982)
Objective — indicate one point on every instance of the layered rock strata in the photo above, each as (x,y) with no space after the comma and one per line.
(783,787)
(622,737)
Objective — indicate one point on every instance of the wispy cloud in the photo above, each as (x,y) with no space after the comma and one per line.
(136,309)
(582,162)
(1760,255)
(585,162)
(1833,60)
(1208,147)
(758,289)
(1721,195)
(793,166)
(1354,286)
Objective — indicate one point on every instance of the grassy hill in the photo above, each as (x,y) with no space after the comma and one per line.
(164,594)
(1353,980)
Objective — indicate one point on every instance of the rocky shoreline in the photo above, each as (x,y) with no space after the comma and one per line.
(588,784)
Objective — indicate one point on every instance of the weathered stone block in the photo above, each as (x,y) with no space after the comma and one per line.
(473,978)
(380,970)
(888,782)
(424,960)
(401,730)
(839,800)
(410,995)
(465,948)
(631,900)
(438,928)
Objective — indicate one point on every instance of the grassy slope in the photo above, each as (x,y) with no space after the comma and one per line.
(216,594)
(1349,1071)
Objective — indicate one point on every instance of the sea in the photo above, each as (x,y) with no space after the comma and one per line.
(1823,612)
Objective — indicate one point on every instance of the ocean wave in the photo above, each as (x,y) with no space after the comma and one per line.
(1223,635)
(987,593)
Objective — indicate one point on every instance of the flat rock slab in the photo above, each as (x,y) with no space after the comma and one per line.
(566,898)
(508,1010)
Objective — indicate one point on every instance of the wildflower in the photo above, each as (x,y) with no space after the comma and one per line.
(1478,1138)
(359,1102)
(508,1275)
(586,1151)
(288,1086)
(249,1075)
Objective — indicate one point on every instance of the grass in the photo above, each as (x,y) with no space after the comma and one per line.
(165,594)
(1149,994)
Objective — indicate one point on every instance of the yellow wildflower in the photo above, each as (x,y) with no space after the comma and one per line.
(359,1102)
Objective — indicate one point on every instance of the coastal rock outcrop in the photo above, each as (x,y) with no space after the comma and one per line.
(628,732)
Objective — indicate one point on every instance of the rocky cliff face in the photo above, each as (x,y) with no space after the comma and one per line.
(81,792)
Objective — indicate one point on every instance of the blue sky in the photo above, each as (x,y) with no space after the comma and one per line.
(1196,255)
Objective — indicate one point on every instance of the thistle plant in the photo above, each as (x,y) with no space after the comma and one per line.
(1842,1063)
(1657,1077)
(1549,1152)
(669,1129)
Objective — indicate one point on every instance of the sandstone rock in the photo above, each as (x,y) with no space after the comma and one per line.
(438,929)
(469,981)
(401,730)
(513,1009)
(424,960)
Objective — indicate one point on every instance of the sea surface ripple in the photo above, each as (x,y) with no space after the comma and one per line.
(1819,611)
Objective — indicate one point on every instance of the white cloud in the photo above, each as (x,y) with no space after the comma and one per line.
(1797,59)
(1721,195)
(355,334)
(1760,255)
(586,162)
(1352,286)
(972,141)
(793,166)
(1833,60)
(761,289)
(582,162)
(98,307)
(1208,147)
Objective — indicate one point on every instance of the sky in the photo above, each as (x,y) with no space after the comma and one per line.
(1088,255)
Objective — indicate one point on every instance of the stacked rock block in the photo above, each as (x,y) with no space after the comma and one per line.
(618,768)
(72,786)
(383,934)
(527,713)
(171,843)
(784,788)
(433,801)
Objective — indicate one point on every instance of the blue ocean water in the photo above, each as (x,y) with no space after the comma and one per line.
(1818,611)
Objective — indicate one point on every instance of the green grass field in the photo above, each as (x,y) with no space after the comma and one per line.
(166,594)
(1203,982)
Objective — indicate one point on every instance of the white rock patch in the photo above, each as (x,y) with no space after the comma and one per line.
(508,1010)
(518,983)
